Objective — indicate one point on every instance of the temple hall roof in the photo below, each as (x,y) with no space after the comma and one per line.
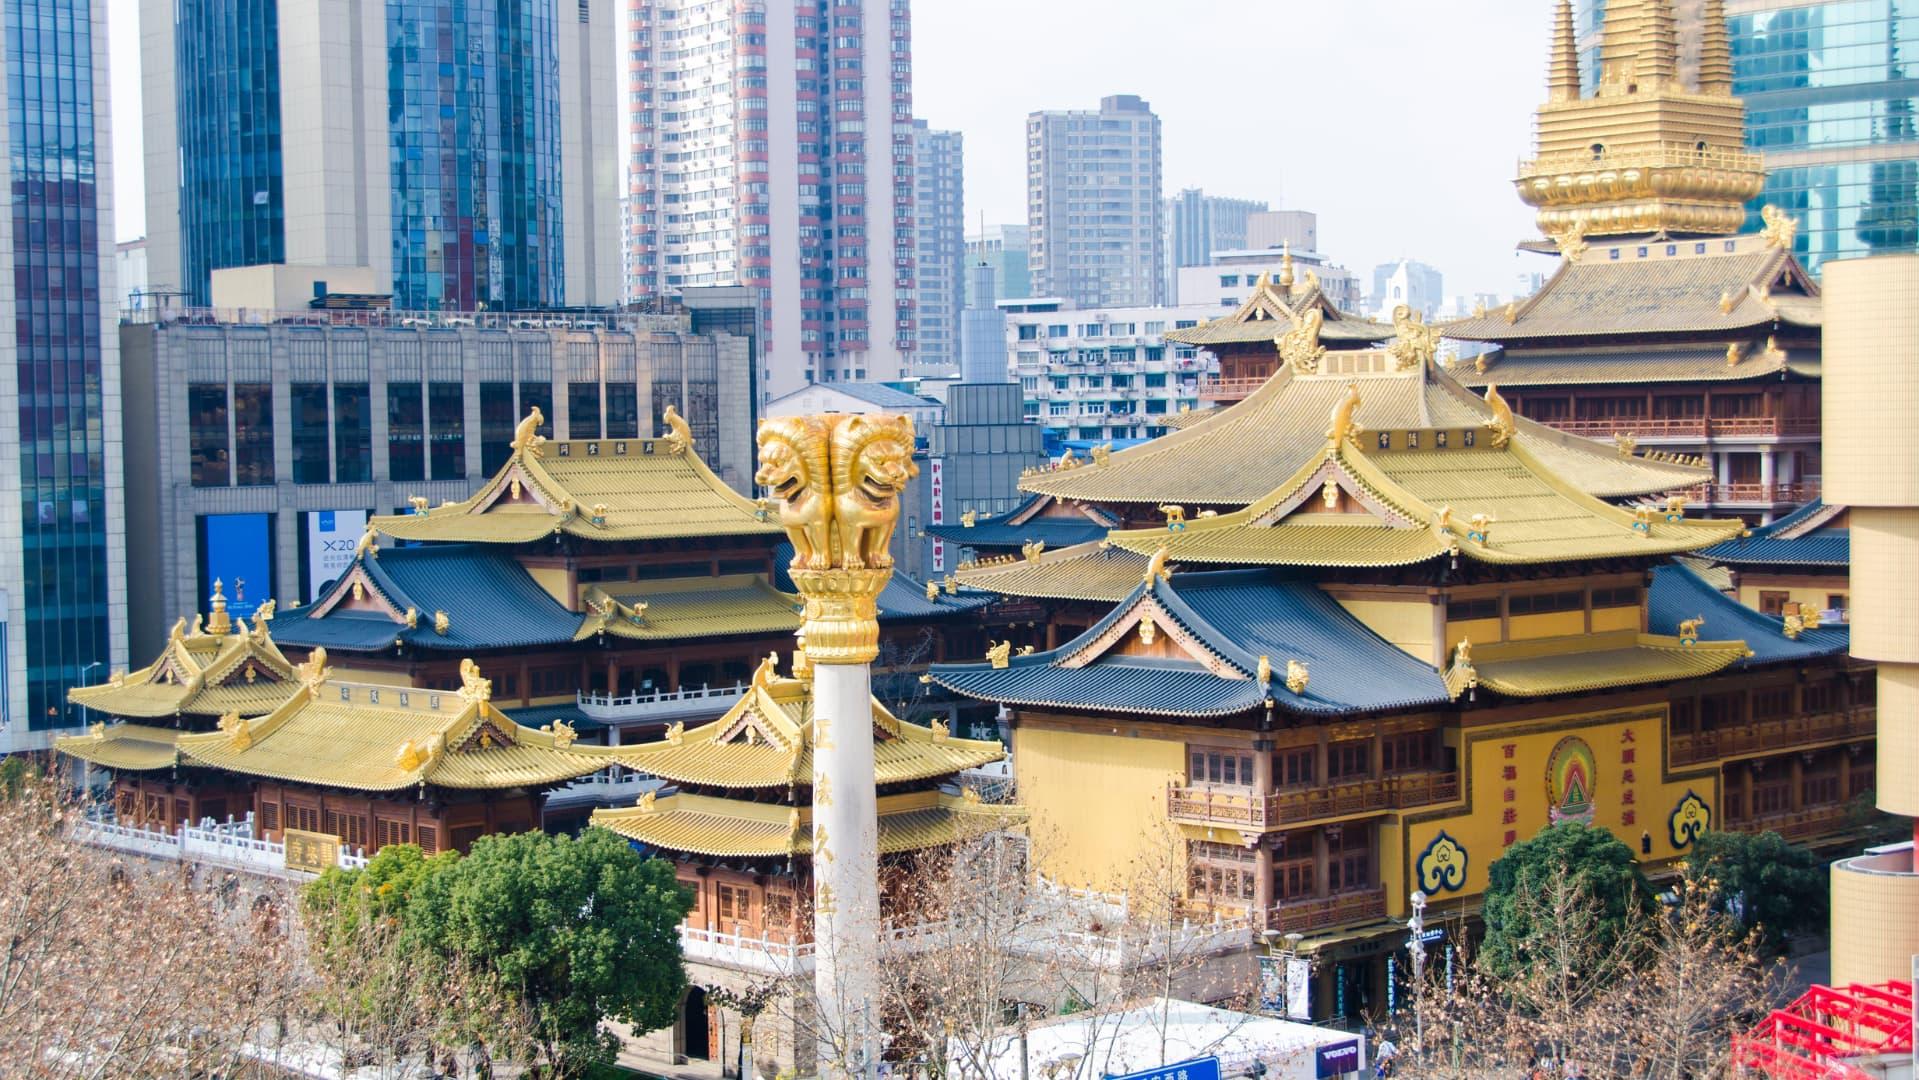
(1537,669)
(1029,522)
(1094,571)
(1234,457)
(596,489)
(692,607)
(1202,655)
(1678,593)
(1273,309)
(1751,359)
(735,828)
(1815,535)
(133,747)
(766,741)
(1720,285)
(209,671)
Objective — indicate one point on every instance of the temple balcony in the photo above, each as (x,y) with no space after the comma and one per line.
(1688,428)
(1772,736)
(1796,825)
(1293,807)
(703,703)
(1323,912)
(1217,389)
(1795,493)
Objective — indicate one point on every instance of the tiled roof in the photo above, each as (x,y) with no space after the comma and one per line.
(198,674)
(1537,516)
(123,746)
(1270,312)
(1808,536)
(1603,661)
(490,600)
(681,608)
(735,828)
(766,741)
(605,489)
(1638,365)
(1223,623)
(903,598)
(882,395)
(1186,418)
(1236,456)
(1029,522)
(1599,295)
(386,738)
(1082,572)
(1679,593)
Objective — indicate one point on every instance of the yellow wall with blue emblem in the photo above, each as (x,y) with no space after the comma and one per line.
(1480,827)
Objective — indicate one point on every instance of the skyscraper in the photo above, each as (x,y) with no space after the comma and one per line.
(1007,248)
(772,147)
(939,239)
(1198,224)
(1829,105)
(62,534)
(462,149)
(1093,204)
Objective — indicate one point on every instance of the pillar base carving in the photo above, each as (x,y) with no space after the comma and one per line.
(842,613)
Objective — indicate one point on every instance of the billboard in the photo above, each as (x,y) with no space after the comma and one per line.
(936,470)
(237,551)
(331,536)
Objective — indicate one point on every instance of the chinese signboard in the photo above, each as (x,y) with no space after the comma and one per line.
(311,852)
(1206,1068)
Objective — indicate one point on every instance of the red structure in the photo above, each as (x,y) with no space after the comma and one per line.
(1820,1034)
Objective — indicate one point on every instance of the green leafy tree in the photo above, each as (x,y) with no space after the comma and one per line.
(577,929)
(1570,856)
(1769,886)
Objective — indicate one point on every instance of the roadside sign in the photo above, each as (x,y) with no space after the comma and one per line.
(1206,1068)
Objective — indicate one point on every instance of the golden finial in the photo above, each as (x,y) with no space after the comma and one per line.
(1286,265)
(1571,240)
(969,796)
(1512,312)
(1780,227)
(1689,629)
(998,654)
(1414,342)
(951,584)
(219,624)
(117,677)
(1795,624)
(473,688)
(1480,529)
(1463,653)
(97,729)
(679,435)
(526,436)
(1733,354)
(562,732)
(1175,517)
(263,615)
(239,730)
(409,757)
(1502,425)
(969,518)
(1024,650)
(1727,301)
(763,674)
(599,513)
(412,618)
(647,800)
(1479,309)
(1296,676)
(1101,453)
(313,671)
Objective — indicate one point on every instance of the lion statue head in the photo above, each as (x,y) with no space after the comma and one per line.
(792,456)
(874,455)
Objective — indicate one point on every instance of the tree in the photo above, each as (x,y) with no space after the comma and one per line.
(1766,884)
(1583,860)
(573,929)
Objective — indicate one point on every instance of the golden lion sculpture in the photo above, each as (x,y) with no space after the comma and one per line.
(872,459)
(793,465)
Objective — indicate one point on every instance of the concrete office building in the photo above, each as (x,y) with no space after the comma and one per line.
(465,153)
(1229,278)
(771,146)
(1100,374)
(1297,229)
(258,448)
(939,241)
(1829,106)
(63,574)
(1093,204)
(1198,224)
(130,273)
(1007,248)
(982,330)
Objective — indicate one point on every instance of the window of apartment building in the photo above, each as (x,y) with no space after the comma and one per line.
(253,433)
(1029,332)
(405,432)
(1352,760)
(1229,768)
(352,433)
(1409,750)
(1297,767)
(622,411)
(1349,858)
(207,434)
(310,451)
(496,426)
(1057,330)
(1221,873)
(446,409)
(1155,380)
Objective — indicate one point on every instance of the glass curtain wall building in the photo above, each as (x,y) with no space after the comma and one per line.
(1830,93)
(62,570)
(233,205)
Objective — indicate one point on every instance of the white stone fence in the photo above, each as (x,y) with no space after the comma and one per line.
(214,843)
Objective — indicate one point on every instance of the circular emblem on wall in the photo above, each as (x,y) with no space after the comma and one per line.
(1442,866)
(1690,817)
(1571,777)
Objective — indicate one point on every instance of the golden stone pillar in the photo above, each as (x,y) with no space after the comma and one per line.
(837,482)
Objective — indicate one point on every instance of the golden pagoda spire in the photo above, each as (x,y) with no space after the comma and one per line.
(220,624)
(1286,265)
(1659,47)
(1715,52)
(1619,41)
(1562,78)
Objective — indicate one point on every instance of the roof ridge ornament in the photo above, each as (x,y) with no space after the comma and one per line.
(1344,427)
(1156,566)
(1502,425)
(1780,227)
(1297,676)
(313,671)
(527,439)
(1571,240)
(1285,266)
(1414,342)
(369,545)
(679,434)
(473,688)
(1299,346)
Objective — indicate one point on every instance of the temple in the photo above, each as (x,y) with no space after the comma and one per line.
(1662,325)
(1801,563)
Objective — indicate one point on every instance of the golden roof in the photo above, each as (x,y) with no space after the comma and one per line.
(675,608)
(385,738)
(1181,420)
(735,828)
(123,746)
(1273,309)
(597,489)
(1405,505)
(1093,571)
(212,671)
(1583,367)
(766,741)
(1597,661)
(1232,457)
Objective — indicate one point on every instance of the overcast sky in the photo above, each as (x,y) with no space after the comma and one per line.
(1397,121)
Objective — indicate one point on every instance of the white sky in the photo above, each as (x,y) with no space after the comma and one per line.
(1398,121)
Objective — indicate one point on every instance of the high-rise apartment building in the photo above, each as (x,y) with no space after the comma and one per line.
(464,150)
(63,581)
(1093,204)
(939,240)
(1198,224)
(772,147)
(1006,247)
(1830,106)
(1298,229)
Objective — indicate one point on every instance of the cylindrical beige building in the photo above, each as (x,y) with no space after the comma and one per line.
(1871,399)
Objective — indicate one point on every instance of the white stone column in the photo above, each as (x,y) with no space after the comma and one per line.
(846,902)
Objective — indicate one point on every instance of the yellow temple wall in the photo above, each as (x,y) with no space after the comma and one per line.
(1605,620)
(1551,625)
(1505,767)
(1409,624)
(555,581)
(1804,593)
(1477,631)
(1096,800)
(376,676)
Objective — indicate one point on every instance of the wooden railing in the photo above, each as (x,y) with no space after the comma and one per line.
(1229,389)
(1794,824)
(1320,912)
(1208,806)
(1687,427)
(1770,735)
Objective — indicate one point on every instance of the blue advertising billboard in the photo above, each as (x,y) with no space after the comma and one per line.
(1206,1068)
(237,551)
